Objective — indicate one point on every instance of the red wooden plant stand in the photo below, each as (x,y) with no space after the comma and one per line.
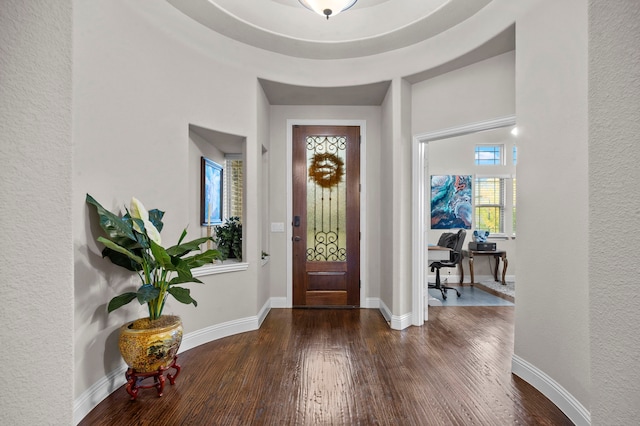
(134,379)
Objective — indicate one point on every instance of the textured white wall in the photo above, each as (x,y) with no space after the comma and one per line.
(37,265)
(552,318)
(614,209)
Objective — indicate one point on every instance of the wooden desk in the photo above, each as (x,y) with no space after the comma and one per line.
(497,255)
(437,253)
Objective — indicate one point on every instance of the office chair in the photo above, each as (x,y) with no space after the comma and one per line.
(453,241)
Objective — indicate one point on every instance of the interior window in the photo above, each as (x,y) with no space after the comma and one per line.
(488,155)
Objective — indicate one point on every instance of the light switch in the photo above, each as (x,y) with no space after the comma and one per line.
(277,227)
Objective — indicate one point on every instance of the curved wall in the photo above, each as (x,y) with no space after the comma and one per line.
(552,298)
(614,154)
(35,231)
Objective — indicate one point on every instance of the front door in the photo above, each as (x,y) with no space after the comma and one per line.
(326,216)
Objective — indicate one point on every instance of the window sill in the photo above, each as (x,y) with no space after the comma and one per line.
(498,237)
(220,268)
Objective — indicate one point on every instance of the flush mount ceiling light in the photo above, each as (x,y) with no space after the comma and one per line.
(327,7)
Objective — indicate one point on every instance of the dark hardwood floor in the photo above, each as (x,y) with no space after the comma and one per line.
(347,367)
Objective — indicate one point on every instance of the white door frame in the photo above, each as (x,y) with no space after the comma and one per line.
(364,303)
(421,199)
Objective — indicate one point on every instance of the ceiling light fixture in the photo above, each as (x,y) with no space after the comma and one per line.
(327,7)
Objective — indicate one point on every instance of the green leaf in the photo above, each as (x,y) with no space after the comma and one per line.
(229,238)
(182,280)
(115,247)
(155,217)
(147,293)
(182,295)
(121,300)
(182,236)
(182,268)
(113,225)
(161,256)
(202,258)
(121,260)
(184,248)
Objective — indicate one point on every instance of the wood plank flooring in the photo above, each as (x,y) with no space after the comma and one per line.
(347,367)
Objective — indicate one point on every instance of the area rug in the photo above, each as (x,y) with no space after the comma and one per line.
(507,291)
(469,296)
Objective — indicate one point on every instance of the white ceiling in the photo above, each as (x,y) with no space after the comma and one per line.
(370,27)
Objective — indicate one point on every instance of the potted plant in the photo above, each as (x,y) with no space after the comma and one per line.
(228,238)
(133,242)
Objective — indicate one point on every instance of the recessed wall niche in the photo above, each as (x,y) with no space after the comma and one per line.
(228,151)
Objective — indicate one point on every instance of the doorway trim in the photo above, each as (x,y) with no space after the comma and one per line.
(364,302)
(420,167)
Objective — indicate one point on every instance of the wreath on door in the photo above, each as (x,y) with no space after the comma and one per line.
(326,169)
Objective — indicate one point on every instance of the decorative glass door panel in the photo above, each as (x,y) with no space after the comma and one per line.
(326,198)
(326,212)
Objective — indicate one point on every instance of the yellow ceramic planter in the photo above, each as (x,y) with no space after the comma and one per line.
(146,350)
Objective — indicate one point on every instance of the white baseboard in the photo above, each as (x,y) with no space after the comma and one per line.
(218,331)
(97,392)
(385,311)
(264,311)
(537,378)
(400,322)
(115,379)
(397,322)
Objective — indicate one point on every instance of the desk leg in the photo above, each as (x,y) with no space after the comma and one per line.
(495,270)
(505,263)
(461,272)
(471,269)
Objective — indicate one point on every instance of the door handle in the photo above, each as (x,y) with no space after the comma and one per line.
(296,238)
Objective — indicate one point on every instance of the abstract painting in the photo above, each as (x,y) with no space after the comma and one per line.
(451,202)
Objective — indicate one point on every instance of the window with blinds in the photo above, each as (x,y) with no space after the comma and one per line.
(233,186)
(490,204)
